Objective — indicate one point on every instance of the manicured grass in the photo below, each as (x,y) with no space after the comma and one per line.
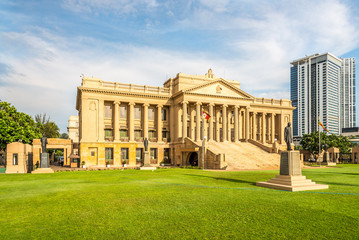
(177,204)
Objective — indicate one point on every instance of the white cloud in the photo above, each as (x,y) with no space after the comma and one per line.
(113,6)
(43,69)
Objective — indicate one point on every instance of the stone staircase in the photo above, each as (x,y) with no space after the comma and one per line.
(245,155)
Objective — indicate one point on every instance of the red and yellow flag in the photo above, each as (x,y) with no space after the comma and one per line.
(205,115)
(321,124)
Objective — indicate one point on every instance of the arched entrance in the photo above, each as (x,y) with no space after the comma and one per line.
(193,159)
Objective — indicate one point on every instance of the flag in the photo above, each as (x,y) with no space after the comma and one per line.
(321,124)
(205,115)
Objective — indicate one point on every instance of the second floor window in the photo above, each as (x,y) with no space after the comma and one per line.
(108,111)
(137,113)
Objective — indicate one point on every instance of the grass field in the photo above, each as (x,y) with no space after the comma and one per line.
(177,204)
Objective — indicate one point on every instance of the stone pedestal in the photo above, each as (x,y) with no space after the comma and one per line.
(327,160)
(290,178)
(44,160)
(43,170)
(146,162)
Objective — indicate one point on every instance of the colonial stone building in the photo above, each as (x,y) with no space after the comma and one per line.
(115,118)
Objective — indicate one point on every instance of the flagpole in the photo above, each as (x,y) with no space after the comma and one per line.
(319,153)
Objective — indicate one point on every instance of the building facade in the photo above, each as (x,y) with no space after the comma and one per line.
(73,131)
(115,118)
(347,94)
(322,87)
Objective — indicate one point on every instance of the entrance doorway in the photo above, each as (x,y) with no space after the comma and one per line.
(193,159)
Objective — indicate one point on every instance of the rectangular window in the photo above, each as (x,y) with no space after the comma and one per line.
(153,155)
(124,154)
(108,135)
(151,114)
(109,155)
(139,155)
(108,110)
(138,133)
(137,112)
(123,133)
(123,112)
(15,159)
(164,114)
(152,134)
(164,134)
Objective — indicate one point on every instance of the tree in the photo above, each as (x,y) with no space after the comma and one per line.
(48,128)
(64,136)
(310,142)
(16,126)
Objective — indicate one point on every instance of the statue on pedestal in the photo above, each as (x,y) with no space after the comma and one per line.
(288,136)
(43,144)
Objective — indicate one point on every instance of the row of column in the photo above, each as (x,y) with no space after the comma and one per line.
(130,120)
(239,111)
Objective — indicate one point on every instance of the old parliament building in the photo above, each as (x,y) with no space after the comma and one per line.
(115,118)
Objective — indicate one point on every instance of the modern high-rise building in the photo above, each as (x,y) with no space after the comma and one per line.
(347,93)
(322,87)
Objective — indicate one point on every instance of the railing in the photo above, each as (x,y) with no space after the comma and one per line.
(139,139)
(264,147)
(281,102)
(124,87)
(153,139)
(124,139)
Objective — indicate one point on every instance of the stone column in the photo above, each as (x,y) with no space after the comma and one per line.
(145,121)
(246,123)
(217,125)
(236,124)
(131,122)
(184,119)
(159,123)
(240,124)
(101,122)
(192,124)
(210,132)
(172,126)
(254,126)
(229,116)
(224,122)
(198,121)
(281,135)
(115,120)
(273,127)
(264,128)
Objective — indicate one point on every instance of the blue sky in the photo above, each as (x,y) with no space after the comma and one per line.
(46,45)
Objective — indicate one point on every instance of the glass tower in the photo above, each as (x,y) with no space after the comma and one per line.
(322,86)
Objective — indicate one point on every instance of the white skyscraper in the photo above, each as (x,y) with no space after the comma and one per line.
(322,86)
(347,93)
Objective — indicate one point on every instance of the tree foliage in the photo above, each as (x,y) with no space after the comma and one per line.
(16,126)
(310,142)
(48,128)
(64,136)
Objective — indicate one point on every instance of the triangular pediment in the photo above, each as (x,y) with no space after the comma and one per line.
(219,88)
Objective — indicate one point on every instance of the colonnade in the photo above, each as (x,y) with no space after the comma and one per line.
(228,123)
(130,120)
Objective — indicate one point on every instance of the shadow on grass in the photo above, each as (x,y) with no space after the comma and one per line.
(340,184)
(223,179)
(354,174)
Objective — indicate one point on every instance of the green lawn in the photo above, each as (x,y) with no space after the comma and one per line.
(177,204)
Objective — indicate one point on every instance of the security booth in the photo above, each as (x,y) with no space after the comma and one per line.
(74,161)
(19,158)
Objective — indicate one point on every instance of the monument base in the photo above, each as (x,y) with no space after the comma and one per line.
(146,161)
(43,170)
(291,183)
(329,163)
(290,178)
(148,168)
